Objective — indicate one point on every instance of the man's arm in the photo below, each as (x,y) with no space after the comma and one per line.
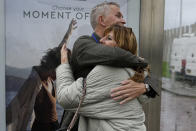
(130,89)
(89,53)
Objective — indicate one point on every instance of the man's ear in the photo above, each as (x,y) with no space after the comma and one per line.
(101,21)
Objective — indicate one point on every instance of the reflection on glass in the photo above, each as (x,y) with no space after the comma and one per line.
(178,107)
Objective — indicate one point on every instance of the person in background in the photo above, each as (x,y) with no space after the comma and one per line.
(46,117)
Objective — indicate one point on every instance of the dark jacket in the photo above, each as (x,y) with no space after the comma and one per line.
(87,54)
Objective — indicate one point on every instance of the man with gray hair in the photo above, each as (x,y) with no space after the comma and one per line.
(88,52)
(105,10)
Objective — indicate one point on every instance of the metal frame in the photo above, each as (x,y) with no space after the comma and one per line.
(2,67)
(151,48)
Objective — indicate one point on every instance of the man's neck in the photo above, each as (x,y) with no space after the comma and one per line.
(99,32)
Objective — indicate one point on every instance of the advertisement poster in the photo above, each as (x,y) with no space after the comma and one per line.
(33,27)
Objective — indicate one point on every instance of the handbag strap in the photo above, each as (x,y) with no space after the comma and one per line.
(76,113)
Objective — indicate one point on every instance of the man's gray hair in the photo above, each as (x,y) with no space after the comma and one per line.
(98,10)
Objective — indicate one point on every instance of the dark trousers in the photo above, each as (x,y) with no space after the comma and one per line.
(39,126)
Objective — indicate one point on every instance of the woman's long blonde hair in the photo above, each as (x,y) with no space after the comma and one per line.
(125,39)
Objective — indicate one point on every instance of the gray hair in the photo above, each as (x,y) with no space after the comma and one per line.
(100,9)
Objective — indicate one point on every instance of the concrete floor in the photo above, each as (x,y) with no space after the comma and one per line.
(178,106)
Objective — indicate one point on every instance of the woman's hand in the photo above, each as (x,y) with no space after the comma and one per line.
(64,56)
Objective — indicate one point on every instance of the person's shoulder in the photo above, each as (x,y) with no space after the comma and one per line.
(108,69)
(85,39)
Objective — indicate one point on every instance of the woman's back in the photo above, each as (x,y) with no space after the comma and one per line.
(104,112)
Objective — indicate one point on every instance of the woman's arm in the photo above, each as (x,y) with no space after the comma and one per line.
(68,90)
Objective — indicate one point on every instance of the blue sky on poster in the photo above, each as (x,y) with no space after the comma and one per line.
(172,13)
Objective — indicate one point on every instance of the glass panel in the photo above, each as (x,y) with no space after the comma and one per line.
(178,107)
(133,16)
(33,27)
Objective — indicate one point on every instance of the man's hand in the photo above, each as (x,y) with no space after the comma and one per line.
(128,90)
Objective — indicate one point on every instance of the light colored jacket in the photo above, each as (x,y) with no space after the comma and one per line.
(99,112)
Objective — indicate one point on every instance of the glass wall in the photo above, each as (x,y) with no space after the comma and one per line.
(178,105)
